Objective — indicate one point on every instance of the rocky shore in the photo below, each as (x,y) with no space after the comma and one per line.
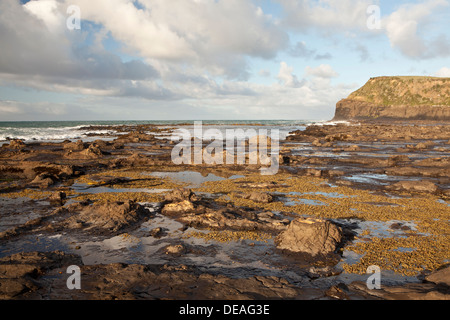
(346,197)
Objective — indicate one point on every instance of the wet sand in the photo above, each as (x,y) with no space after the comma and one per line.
(109,207)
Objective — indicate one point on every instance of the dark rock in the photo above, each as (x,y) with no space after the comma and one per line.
(313,236)
(441,276)
(415,186)
(180,194)
(108,216)
(58,198)
(262,197)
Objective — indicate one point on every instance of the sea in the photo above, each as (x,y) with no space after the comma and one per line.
(58,131)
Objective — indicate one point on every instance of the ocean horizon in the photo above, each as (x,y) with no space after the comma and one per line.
(67,130)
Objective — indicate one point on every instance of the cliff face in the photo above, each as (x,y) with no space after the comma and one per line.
(409,98)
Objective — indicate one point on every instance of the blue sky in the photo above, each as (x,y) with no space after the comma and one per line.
(209,59)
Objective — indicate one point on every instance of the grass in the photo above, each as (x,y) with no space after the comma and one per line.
(408,90)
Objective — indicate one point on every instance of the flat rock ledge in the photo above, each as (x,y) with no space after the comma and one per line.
(43,276)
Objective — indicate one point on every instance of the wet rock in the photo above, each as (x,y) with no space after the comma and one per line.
(57,198)
(92,152)
(19,273)
(175,249)
(262,197)
(44,180)
(338,292)
(180,194)
(316,272)
(399,226)
(284,159)
(313,172)
(420,146)
(17,144)
(178,207)
(417,186)
(108,216)
(441,276)
(136,159)
(157,232)
(270,184)
(312,236)
(179,201)
(395,160)
(336,173)
(234,218)
(139,282)
(270,217)
(74,146)
(409,291)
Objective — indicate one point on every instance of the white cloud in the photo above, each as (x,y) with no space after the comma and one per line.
(31,111)
(408,28)
(49,53)
(47,11)
(287,77)
(328,16)
(208,34)
(322,71)
(403,26)
(443,72)
(9,107)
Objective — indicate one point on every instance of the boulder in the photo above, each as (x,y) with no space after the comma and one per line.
(108,216)
(178,207)
(262,197)
(309,235)
(74,146)
(91,152)
(57,198)
(180,194)
(44,180)
(16,144)
(441,276)
(175,249)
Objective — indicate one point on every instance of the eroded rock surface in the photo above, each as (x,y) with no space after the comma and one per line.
(313,236)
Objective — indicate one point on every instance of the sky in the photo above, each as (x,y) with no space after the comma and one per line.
(209,59)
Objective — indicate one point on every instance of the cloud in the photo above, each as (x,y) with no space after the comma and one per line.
(300,50)
(409,28)
(323,71)
(287,77)
(325,56)
(217,36)
(327,16)
(402,28)
(55,52)
(31,111)
(46,11)
(362,51)
(443,72)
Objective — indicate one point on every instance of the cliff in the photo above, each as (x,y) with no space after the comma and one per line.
(398,98)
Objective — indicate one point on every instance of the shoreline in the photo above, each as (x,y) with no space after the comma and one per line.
(386,184)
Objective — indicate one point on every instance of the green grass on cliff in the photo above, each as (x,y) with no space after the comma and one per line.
(410,90)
